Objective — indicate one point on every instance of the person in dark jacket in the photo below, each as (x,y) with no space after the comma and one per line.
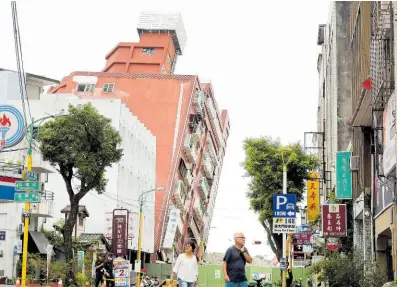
(289,280)
(99,270)
(110,277)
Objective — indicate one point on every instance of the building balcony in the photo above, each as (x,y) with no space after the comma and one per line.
(204,188)
(39,165)
(180,194)
(207,165)
(199,101)
(210,150)
(190,148)
(195,231)
(188,178)
(198,213)
(44,208)
(214,121)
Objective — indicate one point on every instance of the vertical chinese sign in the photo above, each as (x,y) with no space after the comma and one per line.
(313,208)
(171,228)
(119,238)
(343,175)
(334,220)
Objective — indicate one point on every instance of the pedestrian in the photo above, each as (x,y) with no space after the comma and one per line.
(234,262)
(99,270)
(186,267)
(110,278)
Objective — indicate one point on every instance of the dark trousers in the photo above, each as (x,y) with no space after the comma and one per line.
(98,279)
(111,282)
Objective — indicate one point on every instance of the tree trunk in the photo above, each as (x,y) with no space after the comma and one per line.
(67,232)
(277,248)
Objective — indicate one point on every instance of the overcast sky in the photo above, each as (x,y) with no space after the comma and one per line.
(261,59)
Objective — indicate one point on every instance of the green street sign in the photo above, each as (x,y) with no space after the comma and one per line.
(27,185)
(27,197)
(32,176)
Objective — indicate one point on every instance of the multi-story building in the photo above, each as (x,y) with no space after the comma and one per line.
(11,167)
(357,114)
(334,100)
(179,110)
(382,97)
(134,173)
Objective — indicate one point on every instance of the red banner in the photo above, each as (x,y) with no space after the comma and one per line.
(334,220)
(119,235)
(301,238)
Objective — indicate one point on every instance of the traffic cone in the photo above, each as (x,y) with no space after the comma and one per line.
(18,283)
(60,282)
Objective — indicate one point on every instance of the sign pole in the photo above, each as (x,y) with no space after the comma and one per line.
(284,235)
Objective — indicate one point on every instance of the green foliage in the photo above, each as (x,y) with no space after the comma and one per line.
(81,279)
(264,167)
(80,145)
(350,270)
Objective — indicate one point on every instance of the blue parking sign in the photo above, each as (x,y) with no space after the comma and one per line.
(284,205)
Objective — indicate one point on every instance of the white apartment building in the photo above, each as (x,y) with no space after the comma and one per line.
(126,180)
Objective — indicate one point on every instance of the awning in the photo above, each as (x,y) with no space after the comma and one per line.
(40,240)
(363,111)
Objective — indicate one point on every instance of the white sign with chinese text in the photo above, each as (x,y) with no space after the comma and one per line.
(171,228)
(284,225)
(122,274)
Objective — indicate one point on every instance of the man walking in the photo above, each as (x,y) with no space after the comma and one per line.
(234,263)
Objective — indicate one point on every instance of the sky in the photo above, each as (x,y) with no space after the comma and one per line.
(261,59)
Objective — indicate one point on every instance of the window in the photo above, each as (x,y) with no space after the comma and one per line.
(80,221)
(182,168)
(85,88)
(108,88)
(148,51)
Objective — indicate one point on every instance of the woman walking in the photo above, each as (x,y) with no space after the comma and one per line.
(186,267)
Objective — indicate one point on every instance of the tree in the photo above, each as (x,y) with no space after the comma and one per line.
(264,167)
(349,270)
(80,145)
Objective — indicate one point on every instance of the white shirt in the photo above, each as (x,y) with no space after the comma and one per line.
(186,268)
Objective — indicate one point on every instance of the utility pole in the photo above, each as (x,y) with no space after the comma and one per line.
(141,201)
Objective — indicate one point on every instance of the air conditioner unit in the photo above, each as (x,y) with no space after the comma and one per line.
(354,163)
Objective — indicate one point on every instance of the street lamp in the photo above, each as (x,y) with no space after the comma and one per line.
(285,250)
(141,201)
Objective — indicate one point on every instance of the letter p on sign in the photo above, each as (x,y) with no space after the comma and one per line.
(280,200)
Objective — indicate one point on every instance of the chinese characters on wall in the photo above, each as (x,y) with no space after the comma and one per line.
(334,220)
(343,175)
(119,235)
(313,197)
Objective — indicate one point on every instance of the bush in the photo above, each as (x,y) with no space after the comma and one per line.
(350,270)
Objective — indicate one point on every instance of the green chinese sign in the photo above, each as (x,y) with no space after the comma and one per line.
(27,185)
(27,197)
(343,175)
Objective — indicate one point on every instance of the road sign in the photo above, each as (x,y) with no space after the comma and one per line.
(27,185)
(303,228)
(284,205)
(32,176)
(284,225)
(27,197)
(282,263)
